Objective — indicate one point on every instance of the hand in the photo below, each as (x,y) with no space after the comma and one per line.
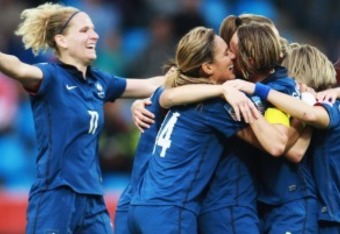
(327,96)
(241,105)
(142,118)
(241,85)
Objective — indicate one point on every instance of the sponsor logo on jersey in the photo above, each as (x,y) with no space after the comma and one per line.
(70,87)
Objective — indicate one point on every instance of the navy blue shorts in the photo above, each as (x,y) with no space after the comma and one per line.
(230,219)
(62,211)
(162,220)
(298,216)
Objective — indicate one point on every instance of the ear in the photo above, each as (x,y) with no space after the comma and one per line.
(60,41)
(208,68)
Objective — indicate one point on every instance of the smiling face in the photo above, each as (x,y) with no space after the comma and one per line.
(222,66)
(78,44)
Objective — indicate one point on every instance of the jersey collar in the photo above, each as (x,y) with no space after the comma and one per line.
(74,71)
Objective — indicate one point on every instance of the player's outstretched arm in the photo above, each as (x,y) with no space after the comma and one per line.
(28,75)
(186,94)
(316,116)
(142,88)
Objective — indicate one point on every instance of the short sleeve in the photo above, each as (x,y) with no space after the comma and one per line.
(115,87)
(222,118)
(333,112)
(47,70)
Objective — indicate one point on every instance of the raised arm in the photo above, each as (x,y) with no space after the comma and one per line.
(187,94)
(316,116)
(28,75)
(142,88)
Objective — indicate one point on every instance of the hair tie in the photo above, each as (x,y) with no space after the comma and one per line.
(238,21)
(67,22)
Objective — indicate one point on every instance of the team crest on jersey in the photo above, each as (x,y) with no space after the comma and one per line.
(258,103)
(100,90)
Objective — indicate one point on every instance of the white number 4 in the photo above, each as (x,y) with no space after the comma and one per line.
(163,139)
(93,122)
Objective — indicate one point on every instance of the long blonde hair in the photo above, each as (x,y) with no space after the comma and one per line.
(194,49)
(308,65)
(39,26)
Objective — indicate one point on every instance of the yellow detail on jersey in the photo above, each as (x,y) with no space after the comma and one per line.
(276,116)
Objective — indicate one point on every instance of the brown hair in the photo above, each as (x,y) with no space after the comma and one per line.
(259,49)
(230,24)
(194,49)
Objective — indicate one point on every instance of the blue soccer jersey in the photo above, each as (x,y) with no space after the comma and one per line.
(187,149)
(280,179)
(68,114)
(144,150)
(326,163)
(235,180)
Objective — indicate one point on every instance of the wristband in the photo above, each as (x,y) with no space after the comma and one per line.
(262,91)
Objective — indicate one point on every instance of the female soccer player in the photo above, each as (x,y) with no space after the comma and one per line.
(311,67)
(189,142)
(235,192)
(67,100)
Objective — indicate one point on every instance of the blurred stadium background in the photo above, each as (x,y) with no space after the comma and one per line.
(136,38)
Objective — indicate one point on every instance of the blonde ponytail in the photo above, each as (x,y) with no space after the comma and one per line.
(39,26)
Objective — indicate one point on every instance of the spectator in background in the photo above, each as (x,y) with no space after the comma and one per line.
(187,17)
(159,49)
(105,14)
(9,12)
(111,58)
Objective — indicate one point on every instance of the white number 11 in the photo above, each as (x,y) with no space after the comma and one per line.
(93,122)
